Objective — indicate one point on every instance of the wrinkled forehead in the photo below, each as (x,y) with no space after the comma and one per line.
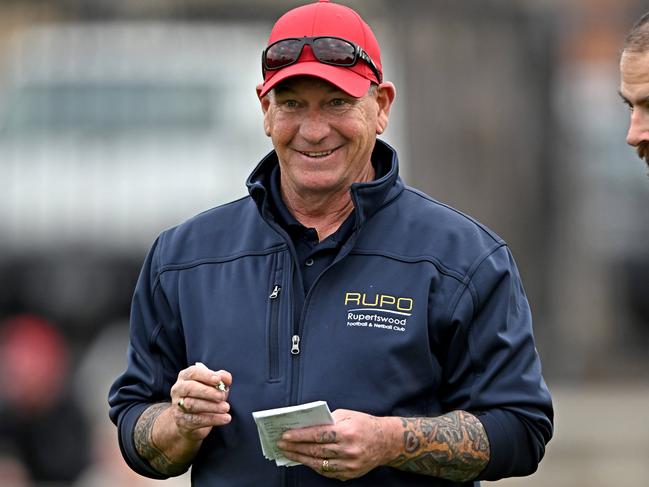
(634,76)
(634,64)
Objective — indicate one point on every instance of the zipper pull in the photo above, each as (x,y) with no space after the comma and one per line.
(275,292)
(295,348)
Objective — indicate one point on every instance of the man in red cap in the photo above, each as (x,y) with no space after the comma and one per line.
(634,85)
(332,281)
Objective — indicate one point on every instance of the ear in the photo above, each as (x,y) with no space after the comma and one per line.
(384,97)
(265,105)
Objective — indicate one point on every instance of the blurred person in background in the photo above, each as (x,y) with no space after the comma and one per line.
(634,85)
(40,420)
(332,281)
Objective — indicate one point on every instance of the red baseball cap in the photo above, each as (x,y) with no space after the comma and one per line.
(324,18)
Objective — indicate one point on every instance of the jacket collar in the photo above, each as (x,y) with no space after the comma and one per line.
(368,197)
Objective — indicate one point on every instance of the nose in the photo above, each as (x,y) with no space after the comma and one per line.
(639,127)
(314,127)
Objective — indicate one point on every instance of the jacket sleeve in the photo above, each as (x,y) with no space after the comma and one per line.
(492,367)
(155,356)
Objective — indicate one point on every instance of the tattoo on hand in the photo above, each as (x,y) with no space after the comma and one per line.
(453,446)
(328,437)
(143,436)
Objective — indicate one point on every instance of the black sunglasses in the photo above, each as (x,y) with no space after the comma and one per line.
(326,49)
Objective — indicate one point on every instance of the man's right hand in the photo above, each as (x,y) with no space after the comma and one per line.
(198,402)
(169,435)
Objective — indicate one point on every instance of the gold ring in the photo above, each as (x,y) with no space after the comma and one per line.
(325,466)
(181,405)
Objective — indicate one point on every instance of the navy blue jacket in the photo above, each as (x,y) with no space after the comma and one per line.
(422,312)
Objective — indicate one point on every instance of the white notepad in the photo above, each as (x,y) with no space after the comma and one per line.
(271,423)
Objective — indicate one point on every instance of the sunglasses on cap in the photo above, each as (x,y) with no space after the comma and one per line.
(326,49)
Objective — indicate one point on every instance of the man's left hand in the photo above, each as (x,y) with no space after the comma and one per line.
(348,449)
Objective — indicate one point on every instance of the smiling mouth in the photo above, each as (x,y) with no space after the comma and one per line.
(317,154)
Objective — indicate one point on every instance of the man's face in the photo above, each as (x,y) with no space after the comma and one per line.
(634,88)
(323,137)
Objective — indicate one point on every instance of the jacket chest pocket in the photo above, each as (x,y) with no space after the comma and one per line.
(275,317)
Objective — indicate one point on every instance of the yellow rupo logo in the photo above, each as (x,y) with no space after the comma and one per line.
(379,301)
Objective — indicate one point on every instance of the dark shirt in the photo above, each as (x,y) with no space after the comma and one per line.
(313,255)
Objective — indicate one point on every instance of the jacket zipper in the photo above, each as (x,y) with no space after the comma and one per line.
(276,289)
(295,344)
(298,325)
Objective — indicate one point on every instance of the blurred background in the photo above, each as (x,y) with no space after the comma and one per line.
(120,118)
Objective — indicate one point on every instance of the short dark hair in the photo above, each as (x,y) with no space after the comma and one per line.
(637,40)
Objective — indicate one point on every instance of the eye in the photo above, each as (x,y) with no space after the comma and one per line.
(338,102)
(289,103)
(628,104)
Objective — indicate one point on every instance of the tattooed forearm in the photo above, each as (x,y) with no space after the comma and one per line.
(143,435)
(453,446)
